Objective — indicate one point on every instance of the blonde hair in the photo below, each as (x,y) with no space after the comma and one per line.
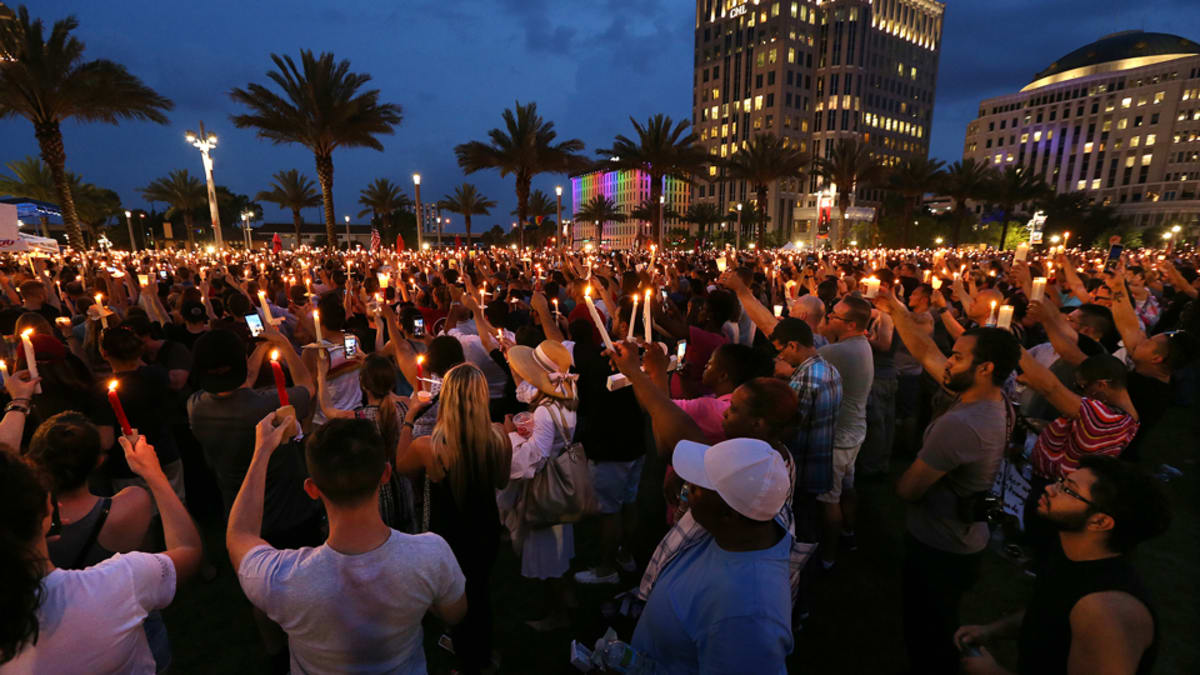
(464,441)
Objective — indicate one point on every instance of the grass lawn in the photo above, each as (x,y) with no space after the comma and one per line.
(855,625)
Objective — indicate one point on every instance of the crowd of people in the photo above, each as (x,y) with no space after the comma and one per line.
(374,427)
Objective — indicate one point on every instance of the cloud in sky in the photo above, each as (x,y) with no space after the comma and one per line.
(454,65)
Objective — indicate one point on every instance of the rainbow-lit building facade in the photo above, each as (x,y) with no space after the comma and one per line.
(627,188)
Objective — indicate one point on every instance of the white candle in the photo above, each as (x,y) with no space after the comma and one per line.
(587,298)
(936,282)
(317,324)
(1022,252)
(1039,289)
(384,279)
(262,300)
(646,318)
(3,371)
(632,317)
(1004,318)
(992,315)
(103,316)
(872,285)
(778,311)
(30,356)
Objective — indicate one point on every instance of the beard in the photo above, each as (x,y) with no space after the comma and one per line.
(1072,522)
(958,382)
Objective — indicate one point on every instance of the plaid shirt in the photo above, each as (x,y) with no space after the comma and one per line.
(819,386)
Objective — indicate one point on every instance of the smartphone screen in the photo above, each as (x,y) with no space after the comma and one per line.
(255,323)
(1114,256)
(162,274)
(350,345)
(418,327)
(680,350)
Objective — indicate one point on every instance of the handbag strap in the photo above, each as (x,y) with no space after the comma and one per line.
(560,423)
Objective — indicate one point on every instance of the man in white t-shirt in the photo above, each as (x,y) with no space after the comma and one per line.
(355,603)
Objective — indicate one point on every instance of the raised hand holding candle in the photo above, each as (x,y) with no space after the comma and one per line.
(317,325)
(118,410)
(587,298)
(1039,289)
(280,383)
(103,315)
(30,356)
(646,321)
(1004,317)
(872,285)
(3,371)
(1022,252)
(936,282)
(420,371)
(632,317)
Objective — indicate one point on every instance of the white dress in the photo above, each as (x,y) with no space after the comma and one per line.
(546,552)
(344,390)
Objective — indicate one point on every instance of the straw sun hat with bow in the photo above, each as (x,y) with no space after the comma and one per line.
(545,368)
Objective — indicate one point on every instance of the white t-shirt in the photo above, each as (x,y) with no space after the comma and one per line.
(90,620)
(475,353)
(354,613)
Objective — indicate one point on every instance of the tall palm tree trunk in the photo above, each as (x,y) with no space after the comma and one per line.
(467,220)
(906,224)
(760,225)
(840,240)
(297,223)
(189,223)
(325,178)
(1004,228)
(656,207)
(50,141)
(44,222)
(961,214)
(523,181)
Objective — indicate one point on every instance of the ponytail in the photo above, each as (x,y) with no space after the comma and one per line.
(389,425)
(22,510)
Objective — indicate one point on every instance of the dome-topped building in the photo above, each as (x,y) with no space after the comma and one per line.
(1117,119)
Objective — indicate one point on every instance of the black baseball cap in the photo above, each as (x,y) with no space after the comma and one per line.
(219,361)
(194,312)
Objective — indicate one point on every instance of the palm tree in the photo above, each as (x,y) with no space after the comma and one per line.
(294,191)
(525,147)
(382,198)
(850,167)
(704,215)
(183,192)
(915,177)
(321,108)
(467,201)
(663,148)
(963,181)
(32,179)
(600,210)
(765,160)
(95,205)
(47,81)
(1017,185)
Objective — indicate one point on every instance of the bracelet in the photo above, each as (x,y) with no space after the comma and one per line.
(20,399)
(13,407)
(408,424)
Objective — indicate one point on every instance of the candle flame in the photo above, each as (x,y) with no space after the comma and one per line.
(587,292)
(27,332)
(420,358)
(112,385)
(274,354)
(648,291)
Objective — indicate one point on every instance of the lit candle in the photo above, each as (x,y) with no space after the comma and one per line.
(280,383)
(420,371)
(1039,289)
(936,282)
(30,356)
(778,311)
(928,274)
(556,305)
(317,325)
(115,402)
(632,317)
(872,285)
(1022,252)
(646,318)
(992,315)
(384,279)
(3,371)
(587,298)
(262,300)
(1004,318)
(103,316)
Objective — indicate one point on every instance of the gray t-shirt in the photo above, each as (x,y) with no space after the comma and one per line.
(967,442)
(354,613)
(853,359)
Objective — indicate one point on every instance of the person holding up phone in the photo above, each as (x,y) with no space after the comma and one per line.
(344,392)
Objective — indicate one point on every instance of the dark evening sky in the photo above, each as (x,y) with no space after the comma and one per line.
(454,65)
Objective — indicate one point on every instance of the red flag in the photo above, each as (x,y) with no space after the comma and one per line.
(399,243)
(457,241)
(276,243)
(538,219)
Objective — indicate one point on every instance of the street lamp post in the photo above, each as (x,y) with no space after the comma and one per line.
(417,189)
(558,209)
(739,227)
(205,141)
(347,233)
(439,224)
(129,224)
(662,206)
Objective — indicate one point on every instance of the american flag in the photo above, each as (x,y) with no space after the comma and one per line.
(375,241)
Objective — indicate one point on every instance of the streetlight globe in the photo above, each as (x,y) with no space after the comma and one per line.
(854,242)
(662,199)
(1176,228)
(1054,238)
(416,179)
(558,190)
(212,139)
(1166,235)
(128,214)
(347,220)
(739,206)
(191,137)
(938,241)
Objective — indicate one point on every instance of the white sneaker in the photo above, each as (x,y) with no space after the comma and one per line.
(590,577)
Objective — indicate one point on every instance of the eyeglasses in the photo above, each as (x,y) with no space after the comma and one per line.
(831,316)
(1061,486)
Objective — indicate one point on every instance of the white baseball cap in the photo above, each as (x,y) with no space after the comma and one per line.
(748,473)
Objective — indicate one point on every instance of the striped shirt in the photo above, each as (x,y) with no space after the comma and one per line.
(1099,430)
(818,385)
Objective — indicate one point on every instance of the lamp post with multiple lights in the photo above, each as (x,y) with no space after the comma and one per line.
(739,226)
(558,210)
(205,141)
(129,224)
(662,206)
(247,216)
(417,190)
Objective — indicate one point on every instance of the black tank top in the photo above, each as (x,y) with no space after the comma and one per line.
(79,546)
(1045,642)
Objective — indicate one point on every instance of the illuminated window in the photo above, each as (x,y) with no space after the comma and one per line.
(1122,123)
(760,60)
(791,55)
(1024,138)
(1133,142)
(775,9)
(1150,138)
(1095,183)
(1142,101)
(997,159)
(1126,102)
(1050,134)
(716,94)
(758,102)
(772,55)
(795,9)
(1107,126)
(1087,147)
(1081,185)
(1129,162)
(1146,159)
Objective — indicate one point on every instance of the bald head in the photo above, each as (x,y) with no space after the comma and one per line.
(808,308)
(981,307)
